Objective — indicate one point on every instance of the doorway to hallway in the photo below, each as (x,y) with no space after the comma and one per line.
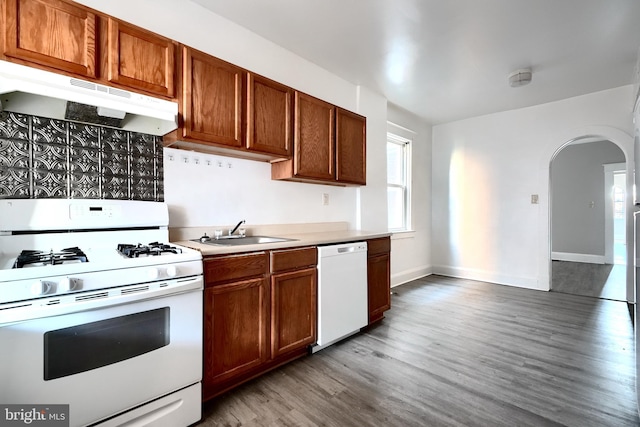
(588,186)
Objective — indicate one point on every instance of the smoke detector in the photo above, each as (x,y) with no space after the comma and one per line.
(520,77)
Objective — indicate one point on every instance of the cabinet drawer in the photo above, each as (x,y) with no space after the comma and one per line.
(233,267)
(291,259)
(378,246)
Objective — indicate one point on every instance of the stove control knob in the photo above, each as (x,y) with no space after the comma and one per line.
(153,273)
(67,284)
(40,287)
(172,271)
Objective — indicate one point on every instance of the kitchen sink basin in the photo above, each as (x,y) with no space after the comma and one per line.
(240,240)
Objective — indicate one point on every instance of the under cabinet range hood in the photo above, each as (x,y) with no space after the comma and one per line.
(42,93)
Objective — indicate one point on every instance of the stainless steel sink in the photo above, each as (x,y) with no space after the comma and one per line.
(246,240)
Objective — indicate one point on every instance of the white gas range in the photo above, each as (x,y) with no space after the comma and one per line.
(98,312)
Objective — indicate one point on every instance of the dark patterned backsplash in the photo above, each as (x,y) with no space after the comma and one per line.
(47,158)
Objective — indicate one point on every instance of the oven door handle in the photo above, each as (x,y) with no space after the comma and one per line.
(94,300)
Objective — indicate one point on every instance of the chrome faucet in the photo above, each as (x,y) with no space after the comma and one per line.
(236,227)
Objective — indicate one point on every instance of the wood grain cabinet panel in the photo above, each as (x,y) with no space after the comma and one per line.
(236,319)
(211,100)
(269,116)
(51,33)
(329,145)
(378,277)
(314,138)
(256,319)
(234,267)
(314,143)
(140,59)
(291,259)
(293,310)
(351,156)
(294,302)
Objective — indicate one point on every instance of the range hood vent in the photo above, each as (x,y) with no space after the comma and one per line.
(41,93)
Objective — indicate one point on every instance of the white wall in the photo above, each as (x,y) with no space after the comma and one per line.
(485,170)
(199,195)
(411,251)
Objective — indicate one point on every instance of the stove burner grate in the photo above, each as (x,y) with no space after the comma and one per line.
(152,249)
(31,257)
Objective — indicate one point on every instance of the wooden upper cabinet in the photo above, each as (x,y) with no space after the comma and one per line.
(211,100)
(269,116)
(51,33)
(139,59)
(314,138)
(351,156)
(314,143)
(329,145)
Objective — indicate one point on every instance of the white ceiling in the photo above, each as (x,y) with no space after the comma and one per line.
(446,60)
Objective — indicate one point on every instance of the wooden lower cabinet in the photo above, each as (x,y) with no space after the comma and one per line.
(259,313)
(294,305)
(236,315)
(236,319)
(378,277)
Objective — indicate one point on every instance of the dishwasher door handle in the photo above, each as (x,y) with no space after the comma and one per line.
(346,250)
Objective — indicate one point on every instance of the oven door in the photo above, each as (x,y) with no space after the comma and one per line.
(103,357)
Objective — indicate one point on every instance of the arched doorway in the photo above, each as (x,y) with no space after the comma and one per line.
(582,182)
(554,146)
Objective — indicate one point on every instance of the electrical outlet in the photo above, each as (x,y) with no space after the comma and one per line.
(325,199)
(534,199)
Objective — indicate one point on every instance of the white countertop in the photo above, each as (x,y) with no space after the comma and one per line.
(301,239)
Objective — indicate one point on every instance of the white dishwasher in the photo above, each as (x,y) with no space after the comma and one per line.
(342,292)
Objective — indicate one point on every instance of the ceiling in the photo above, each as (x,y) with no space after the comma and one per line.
(446,60)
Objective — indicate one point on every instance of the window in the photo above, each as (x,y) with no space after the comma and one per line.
(618,203)
(398,188)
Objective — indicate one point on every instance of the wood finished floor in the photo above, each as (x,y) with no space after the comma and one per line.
(455,352)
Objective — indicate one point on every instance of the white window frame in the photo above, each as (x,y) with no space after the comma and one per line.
(406,186)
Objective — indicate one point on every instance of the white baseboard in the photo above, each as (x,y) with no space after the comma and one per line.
(567,256)
(409,275)
(491,277)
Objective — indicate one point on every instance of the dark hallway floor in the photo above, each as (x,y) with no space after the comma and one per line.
(606,281)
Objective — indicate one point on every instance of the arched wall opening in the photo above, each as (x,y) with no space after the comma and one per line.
(556,144)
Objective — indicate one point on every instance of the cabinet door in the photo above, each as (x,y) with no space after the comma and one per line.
(314,138)
(212,99)
(140,59)
(378,277)
(52,33)
(351,145)
(269,116)
(236,322)
(379,286)
(293,310)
